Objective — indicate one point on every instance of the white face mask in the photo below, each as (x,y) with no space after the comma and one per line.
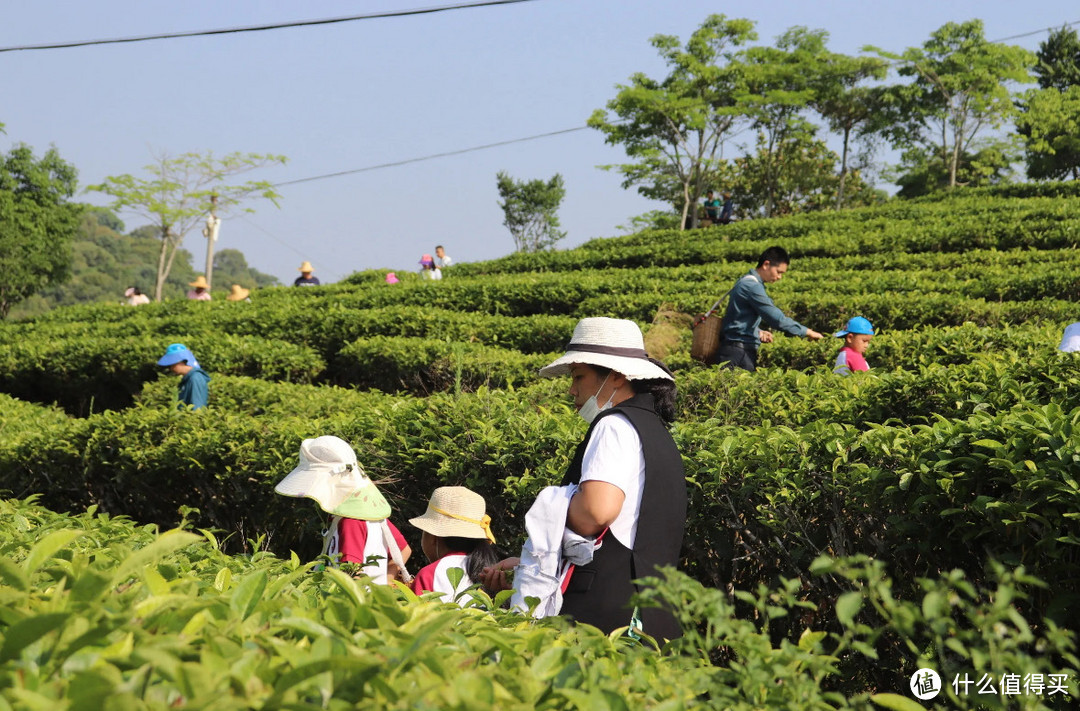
(590,409)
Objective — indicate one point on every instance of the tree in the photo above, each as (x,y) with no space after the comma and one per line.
(959,88)
(924,171)
(37,222)
(180,192)
(231,265)
(848,108)
(674,128)
(530,211)
(1049,122)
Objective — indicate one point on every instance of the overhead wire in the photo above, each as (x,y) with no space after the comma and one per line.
(263,28)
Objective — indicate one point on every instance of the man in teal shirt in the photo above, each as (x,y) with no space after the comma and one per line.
(193,390)
(749,307)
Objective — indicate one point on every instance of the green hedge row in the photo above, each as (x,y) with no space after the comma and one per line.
(829,481)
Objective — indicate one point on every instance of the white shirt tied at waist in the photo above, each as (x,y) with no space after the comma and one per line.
(548,553)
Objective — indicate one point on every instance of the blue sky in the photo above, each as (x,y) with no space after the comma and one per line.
(351,95)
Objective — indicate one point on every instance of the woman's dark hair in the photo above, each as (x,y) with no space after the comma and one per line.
(480,552)
(663,391)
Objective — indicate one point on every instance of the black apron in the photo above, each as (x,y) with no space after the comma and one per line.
(599,593)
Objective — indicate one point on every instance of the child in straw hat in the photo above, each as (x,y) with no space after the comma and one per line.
(360,530)
(456,536)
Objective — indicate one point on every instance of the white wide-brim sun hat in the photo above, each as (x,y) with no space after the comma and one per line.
(1070,340)
(329,474)
(613,343)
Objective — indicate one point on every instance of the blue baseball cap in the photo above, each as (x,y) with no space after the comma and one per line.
(176,353)
(857,325)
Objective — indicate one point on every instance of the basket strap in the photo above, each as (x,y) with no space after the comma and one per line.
(717,304)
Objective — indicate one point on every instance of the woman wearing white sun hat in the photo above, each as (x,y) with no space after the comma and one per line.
(631,484)
(360,530)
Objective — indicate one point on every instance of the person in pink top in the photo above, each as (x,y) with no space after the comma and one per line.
(856,337)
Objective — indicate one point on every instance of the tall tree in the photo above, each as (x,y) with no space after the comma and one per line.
(848,106)
(1049,122)
(530,210)
(673,129)
(780,83)
(960,86)
(178,195)
(37,222)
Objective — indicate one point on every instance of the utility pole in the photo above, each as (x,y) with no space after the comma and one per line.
(210,232)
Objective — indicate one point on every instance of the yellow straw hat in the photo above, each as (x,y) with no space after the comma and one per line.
(200,282)
(238,293)
(456,512)
(306,267)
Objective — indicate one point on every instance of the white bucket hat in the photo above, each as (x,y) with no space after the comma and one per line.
(613,343)
(1070,340)
(329,474)
(456,512)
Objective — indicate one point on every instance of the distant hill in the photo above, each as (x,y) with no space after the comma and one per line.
(106,262)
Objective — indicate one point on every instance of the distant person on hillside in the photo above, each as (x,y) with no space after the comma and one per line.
(727,212)
(360,531)
(200,290)
(239,293)
(306,278)
(193,391)
(749,307)
(856,335)
(442,259)
(135,297)
(428,268)
(712,207)
(1070,340)
(391,278)
(456,536)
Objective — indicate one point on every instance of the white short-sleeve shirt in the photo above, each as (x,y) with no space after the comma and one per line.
(614,455)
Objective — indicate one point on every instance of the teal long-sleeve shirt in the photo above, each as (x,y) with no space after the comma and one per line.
(749,307)
(193,390)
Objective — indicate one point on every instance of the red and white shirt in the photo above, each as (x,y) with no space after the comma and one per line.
(434,577)
(357,541)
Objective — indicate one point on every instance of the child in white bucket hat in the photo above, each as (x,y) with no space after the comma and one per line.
(456,536)
(360,530)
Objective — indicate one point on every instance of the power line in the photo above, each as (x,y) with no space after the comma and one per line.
(261,28)
(431,156)
(1034,32)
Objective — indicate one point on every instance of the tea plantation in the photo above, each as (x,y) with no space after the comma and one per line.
(843,532)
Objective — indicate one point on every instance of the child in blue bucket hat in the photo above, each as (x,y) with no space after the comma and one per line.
(856,335)
(193,391)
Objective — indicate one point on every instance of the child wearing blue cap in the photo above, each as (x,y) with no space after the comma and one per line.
(193,390)
(856,337)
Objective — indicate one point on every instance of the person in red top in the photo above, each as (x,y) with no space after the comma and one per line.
(856,337)
(360,531)
(457,539)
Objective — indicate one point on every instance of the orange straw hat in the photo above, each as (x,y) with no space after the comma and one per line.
(456,512)
(200,282)
(238,293)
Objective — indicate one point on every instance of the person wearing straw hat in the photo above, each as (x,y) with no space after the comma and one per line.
(456,537)
(200,290)
(306,278)
(238,293)
(631,485)
(194,390)
(360,531)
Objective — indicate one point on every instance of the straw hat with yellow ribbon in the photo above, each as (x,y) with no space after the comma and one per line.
(455,512)
(238,293)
